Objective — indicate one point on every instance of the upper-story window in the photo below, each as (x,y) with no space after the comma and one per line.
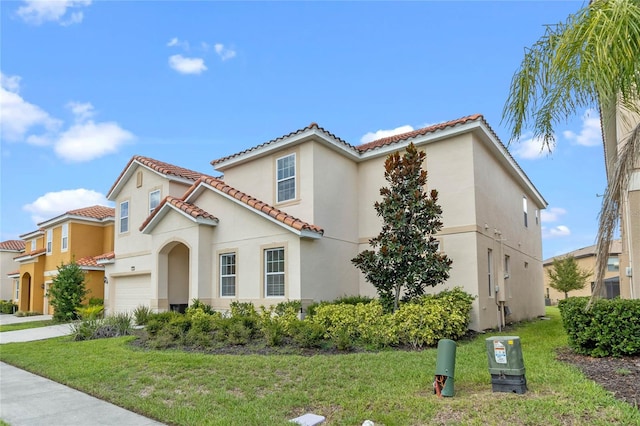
(613,264)
(64,246)
(524,208)
(34,244)
(490,270)
(286,178)
(124,217)
(49,240)
(154,200)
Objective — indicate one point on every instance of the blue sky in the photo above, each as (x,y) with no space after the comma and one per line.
(86,85)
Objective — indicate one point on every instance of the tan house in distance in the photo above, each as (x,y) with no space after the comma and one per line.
(8,268)
(78,235)
(289,215)
(586,260)
(616,129)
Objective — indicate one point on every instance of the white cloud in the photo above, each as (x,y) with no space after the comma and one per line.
(552,214)
(176,42)
(187,65)
(87,141)
(37,12)
(18,116)
(591,132)
(372,136)
(81,111)
(531,148)
(224,52)
(555,232)
(53,204)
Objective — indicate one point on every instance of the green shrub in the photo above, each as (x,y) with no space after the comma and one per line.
(197,304)
(237,332)
(7,307)
(154,326)
(120,323)
(90,312)
(307,334)
(609,328)
(93,301)
(84,329)
(141,314)
(353,300)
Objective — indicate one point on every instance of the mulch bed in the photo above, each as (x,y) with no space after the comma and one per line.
(621,376)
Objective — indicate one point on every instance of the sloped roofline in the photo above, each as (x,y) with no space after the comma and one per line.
(385,146)
(188,210)
(166,170)
(12,246)
(97,213)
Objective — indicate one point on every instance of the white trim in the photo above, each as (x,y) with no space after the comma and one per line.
(68,217)
(111,196)
(163,211)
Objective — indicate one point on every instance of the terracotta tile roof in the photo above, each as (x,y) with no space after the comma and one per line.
(12,245)
(106,256)
(256,204)
(14,272)
(189,208)
(31,254)
(89,261)
(160,167)
(95,212)
(273,141)
(415,133)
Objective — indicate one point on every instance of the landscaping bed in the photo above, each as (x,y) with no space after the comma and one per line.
(621,376)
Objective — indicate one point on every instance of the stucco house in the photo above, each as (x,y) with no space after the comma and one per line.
(79,235)
(289,215)
(618,125)
(586,260)
(8,268)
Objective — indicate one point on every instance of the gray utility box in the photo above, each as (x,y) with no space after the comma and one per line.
(506,365)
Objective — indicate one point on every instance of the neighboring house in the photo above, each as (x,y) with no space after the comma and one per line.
(291,213)
(586,260)
(616,129)
(79,235)
(8,250)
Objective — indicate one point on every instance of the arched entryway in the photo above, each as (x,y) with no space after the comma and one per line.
(24,304)
(174,275)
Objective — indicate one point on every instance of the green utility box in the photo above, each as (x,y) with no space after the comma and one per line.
(445,368)
(506,364)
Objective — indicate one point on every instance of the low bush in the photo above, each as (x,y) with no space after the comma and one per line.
(609,328)
(91,327)
(7,307)
(90,312)
(141,315)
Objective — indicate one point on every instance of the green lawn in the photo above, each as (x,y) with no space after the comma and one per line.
(390,388)
(25,325)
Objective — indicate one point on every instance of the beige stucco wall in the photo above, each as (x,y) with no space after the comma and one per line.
(7,265)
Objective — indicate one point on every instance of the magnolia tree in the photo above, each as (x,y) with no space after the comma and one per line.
(405,259)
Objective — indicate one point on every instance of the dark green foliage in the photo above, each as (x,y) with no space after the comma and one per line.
(565,275)
(609,328)
(7,307)
(67,291)
(197,304)
(353,300)
(405,258)
(95,301)
(100,328)
(307,334)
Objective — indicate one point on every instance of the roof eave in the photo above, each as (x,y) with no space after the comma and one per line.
(131,168)
(157,218)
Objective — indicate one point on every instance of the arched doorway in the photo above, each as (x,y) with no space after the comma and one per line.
(174,275)
(24,304)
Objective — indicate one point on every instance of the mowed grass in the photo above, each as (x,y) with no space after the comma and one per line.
(389,388)
(25,325)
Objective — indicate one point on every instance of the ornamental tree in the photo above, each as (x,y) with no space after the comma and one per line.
(67,291)
(405,259)
(565,275)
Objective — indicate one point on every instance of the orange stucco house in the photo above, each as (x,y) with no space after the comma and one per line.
(80,235)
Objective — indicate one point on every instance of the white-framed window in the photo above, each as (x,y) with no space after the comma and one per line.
(49,241)
(507,274)
(490,270)
(524,208)
(154,200)
(537,220)
(228,275)
(16,282)
(64,245)
(274,272)
(33,244)
(286,178)
(613,264)
(124,217)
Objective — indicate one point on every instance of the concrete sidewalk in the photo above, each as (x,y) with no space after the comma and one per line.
(30,400)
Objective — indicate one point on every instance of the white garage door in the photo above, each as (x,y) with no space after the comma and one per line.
(131,292)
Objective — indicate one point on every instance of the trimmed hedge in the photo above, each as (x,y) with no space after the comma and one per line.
(610,328)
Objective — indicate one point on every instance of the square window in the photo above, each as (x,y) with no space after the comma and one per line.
(613,264)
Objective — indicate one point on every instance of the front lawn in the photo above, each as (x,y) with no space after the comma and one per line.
(25,325)
(390,387)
